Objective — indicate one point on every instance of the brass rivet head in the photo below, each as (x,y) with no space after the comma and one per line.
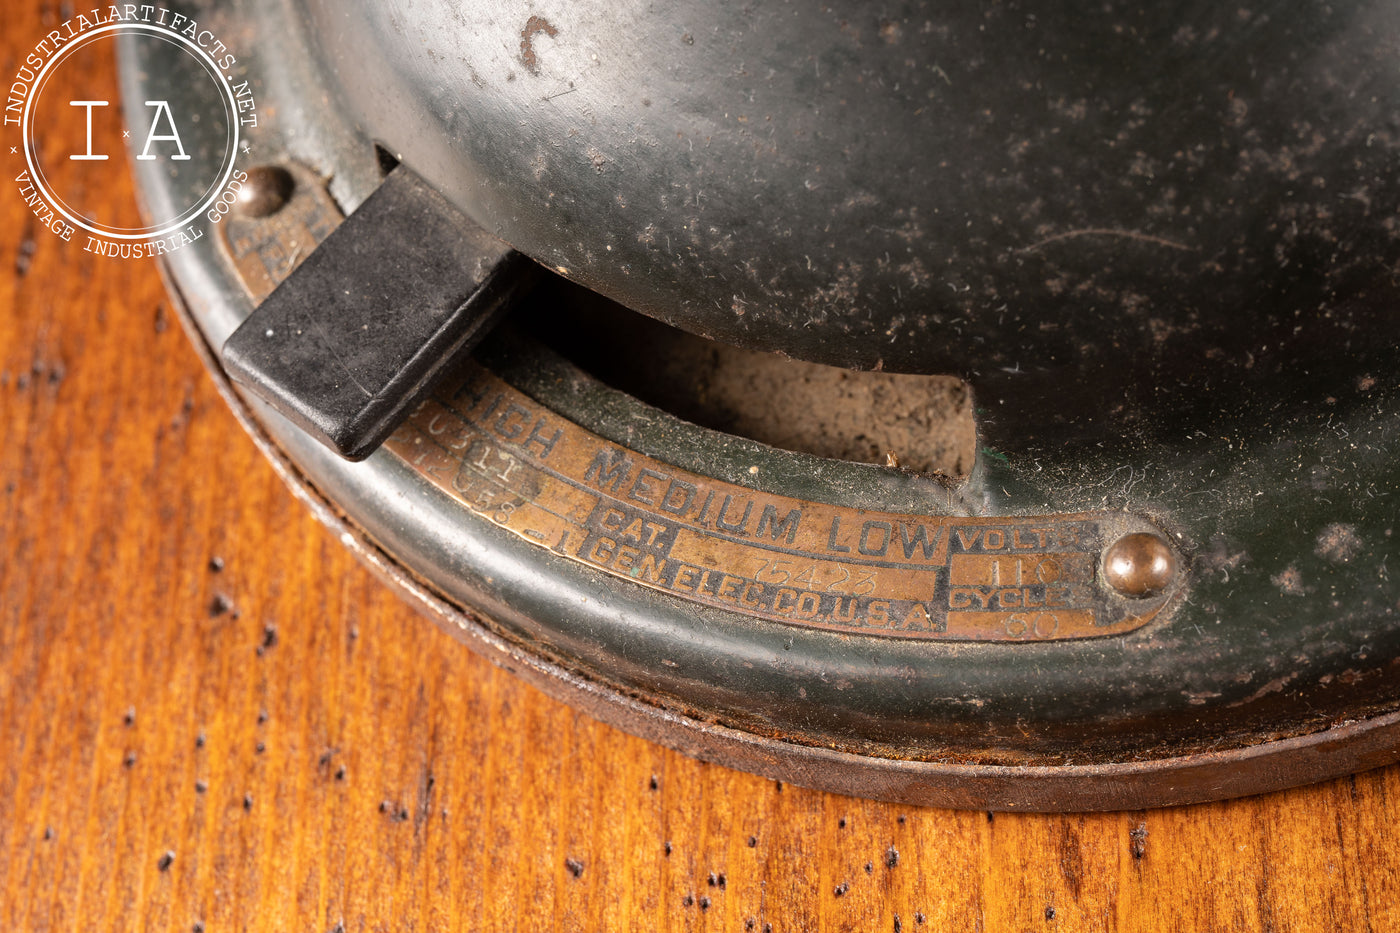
(1139,565)
(266,189)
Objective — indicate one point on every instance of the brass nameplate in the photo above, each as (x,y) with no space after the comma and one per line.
(555,484)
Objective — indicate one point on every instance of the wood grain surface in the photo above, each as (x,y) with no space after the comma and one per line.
(212,719)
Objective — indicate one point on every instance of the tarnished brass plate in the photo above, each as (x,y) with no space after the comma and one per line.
(548,480)
(265,250)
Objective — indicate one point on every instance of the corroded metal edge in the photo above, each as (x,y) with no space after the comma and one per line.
(1269,766)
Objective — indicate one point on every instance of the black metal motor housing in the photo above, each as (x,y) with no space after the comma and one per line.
(1159,244)
(925,187)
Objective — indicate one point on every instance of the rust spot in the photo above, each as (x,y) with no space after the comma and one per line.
(1235,110)
(1274,686)
(534,26)
(598,160)
(1338,543)
(1290,581)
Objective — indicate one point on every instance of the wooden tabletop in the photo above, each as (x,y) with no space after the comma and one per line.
(211,718)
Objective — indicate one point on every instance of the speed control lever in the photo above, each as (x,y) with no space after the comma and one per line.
(382,309)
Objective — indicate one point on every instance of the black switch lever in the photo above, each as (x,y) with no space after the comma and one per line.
(364,328)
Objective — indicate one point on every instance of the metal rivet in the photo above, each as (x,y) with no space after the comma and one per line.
(266,189)
(1139,565)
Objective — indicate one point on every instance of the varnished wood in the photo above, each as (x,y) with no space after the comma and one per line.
(280,745)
